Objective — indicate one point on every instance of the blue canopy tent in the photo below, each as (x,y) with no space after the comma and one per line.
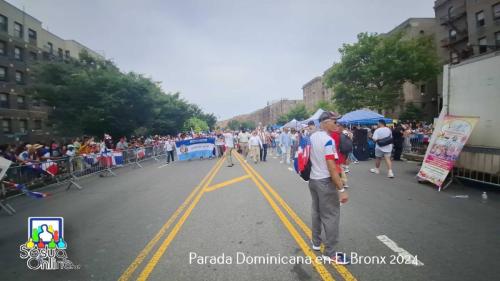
(362,117)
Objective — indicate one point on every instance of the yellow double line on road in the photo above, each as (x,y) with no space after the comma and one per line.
(342,270)
(198,192)
(318,265)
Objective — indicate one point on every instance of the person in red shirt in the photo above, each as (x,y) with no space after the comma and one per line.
(341,160)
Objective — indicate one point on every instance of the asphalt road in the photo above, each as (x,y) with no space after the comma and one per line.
(167,223)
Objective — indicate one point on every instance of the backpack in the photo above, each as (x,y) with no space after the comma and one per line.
(301,162)
(345,146)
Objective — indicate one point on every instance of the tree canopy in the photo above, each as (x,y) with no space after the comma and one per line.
(372,70)
(195,124)
(237,125)
(299,112)
(92,96)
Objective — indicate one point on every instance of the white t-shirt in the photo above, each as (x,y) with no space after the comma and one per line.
(229,140)
(244,137)
(169,146)
(255,141)
(322,148)
(381,133)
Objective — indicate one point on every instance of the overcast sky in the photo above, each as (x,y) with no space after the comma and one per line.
(228,56)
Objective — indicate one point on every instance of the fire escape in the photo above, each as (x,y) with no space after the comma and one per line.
(456,35)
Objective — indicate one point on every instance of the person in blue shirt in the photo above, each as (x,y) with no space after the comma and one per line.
(286,145)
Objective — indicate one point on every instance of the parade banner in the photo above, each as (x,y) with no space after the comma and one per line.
(449,137)
(195,148)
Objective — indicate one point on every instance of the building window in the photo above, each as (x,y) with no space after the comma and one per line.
(19,77)
(483,45)
(37,124)
(67,54)
(497,39)
(32,35)
(3,73)
(23,126)
(480,19)
(423,89)
(51,48)
(18,53)
(18,30)
(453,34)
(3,48)
(33,55)
(36,102)
(7,126)
(60,53)
(21,102)
(4,100)
(496,11)
(3,23)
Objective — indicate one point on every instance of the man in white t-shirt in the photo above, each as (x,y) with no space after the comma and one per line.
(383,134)
(229,141)
(326,187)
(243,138)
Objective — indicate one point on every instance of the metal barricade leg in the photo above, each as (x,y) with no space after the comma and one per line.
(7,208)
(137,164)
(73,182)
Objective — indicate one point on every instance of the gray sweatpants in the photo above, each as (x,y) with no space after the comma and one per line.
(325,212)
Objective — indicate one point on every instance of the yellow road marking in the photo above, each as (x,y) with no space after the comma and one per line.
(320,268)
(346,274)
(164,245)
(226,183)
(143,254)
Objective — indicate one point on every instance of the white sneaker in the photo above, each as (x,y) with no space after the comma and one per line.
(314,247)
(390,174)
(346,170)
(375,171)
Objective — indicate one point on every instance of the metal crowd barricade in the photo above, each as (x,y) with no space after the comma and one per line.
(418,143)
(71,169)
(478,164)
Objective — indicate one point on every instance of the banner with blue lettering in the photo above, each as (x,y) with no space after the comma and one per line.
(195,148)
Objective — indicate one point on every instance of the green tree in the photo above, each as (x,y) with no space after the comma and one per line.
(299,113)
(282,120)
(195,124)
(91,96)
(411,112)
(247,125)
(234,125)
(325,105)
(373,70)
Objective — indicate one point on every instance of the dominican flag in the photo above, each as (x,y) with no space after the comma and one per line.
(141,153)
(90,159)
(118,158)
(22,188)
(50,167)
(302,155)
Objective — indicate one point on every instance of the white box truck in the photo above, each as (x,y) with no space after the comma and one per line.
(472,88)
